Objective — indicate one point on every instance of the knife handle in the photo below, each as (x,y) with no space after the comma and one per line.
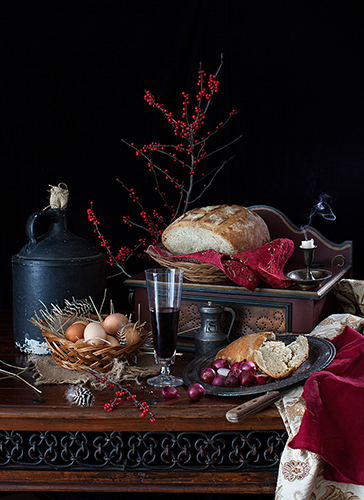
(254,405)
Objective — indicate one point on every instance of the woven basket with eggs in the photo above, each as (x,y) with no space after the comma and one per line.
(80,340)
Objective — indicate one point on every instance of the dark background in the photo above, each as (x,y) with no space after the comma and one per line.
(73,75)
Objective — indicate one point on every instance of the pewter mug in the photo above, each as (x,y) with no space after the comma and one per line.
(210,335)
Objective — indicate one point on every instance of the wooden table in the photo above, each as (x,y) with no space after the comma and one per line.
(191,447)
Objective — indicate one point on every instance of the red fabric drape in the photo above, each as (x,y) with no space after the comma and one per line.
(332,425)
(246,268)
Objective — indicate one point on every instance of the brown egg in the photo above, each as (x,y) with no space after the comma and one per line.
(114,344)
(76,331)
(94,334)
(111,341)
(114,322)
(132,335)
(80,343)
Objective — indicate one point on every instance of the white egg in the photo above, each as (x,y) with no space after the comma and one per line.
(94,334)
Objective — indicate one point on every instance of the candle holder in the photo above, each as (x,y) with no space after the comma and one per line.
(308,254)
(308,278)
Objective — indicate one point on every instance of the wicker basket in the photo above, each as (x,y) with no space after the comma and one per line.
(196,272)
(83,358)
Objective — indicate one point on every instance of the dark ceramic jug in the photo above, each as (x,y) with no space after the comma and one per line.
(51,268)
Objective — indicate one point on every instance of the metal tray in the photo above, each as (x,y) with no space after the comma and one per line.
(322,352)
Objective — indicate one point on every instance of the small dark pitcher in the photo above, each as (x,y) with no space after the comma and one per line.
(210,335)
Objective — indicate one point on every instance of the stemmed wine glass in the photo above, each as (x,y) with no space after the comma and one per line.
(164,289)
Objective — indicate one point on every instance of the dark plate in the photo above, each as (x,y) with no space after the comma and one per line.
(322,352)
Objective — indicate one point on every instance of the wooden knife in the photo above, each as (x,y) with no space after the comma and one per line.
(254,405)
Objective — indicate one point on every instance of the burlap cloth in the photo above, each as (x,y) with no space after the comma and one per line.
(58,196)
(46,371)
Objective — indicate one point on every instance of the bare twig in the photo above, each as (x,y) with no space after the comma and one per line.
(15,375)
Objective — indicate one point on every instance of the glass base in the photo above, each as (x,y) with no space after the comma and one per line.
(164,381)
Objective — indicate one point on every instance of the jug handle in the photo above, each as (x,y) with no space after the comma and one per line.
(232,312)
(30,227)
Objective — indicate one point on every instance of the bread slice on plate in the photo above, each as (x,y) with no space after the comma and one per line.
(244,347)
(279,360)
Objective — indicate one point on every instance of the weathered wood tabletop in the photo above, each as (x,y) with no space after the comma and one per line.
(46,444)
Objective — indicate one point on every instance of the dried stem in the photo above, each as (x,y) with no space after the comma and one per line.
(15,375)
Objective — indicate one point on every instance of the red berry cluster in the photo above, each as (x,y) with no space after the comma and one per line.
(93,219)
(213,84)
(121,392)
(124,252)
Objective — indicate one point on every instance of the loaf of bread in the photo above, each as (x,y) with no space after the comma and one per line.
(224,228)
(279,360)
(244,347)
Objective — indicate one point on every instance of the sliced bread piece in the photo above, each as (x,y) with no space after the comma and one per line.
(279,360)
(244,347)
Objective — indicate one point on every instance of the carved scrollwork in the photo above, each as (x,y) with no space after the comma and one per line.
(11,447)
(192,451)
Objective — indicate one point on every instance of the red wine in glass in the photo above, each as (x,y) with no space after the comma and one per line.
(164,289)
(165,326)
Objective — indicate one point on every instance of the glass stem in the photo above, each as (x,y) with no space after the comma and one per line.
(165,371)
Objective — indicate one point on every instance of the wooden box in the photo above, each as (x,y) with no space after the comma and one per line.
(266,309)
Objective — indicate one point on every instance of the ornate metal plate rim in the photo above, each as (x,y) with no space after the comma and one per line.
(322,352)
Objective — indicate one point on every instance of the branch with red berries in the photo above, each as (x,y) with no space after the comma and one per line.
(121,392)
(184,175)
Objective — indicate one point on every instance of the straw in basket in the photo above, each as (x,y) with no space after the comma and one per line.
(82,356)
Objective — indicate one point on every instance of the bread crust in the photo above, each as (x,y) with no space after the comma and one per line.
(244,348)
(225,228)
